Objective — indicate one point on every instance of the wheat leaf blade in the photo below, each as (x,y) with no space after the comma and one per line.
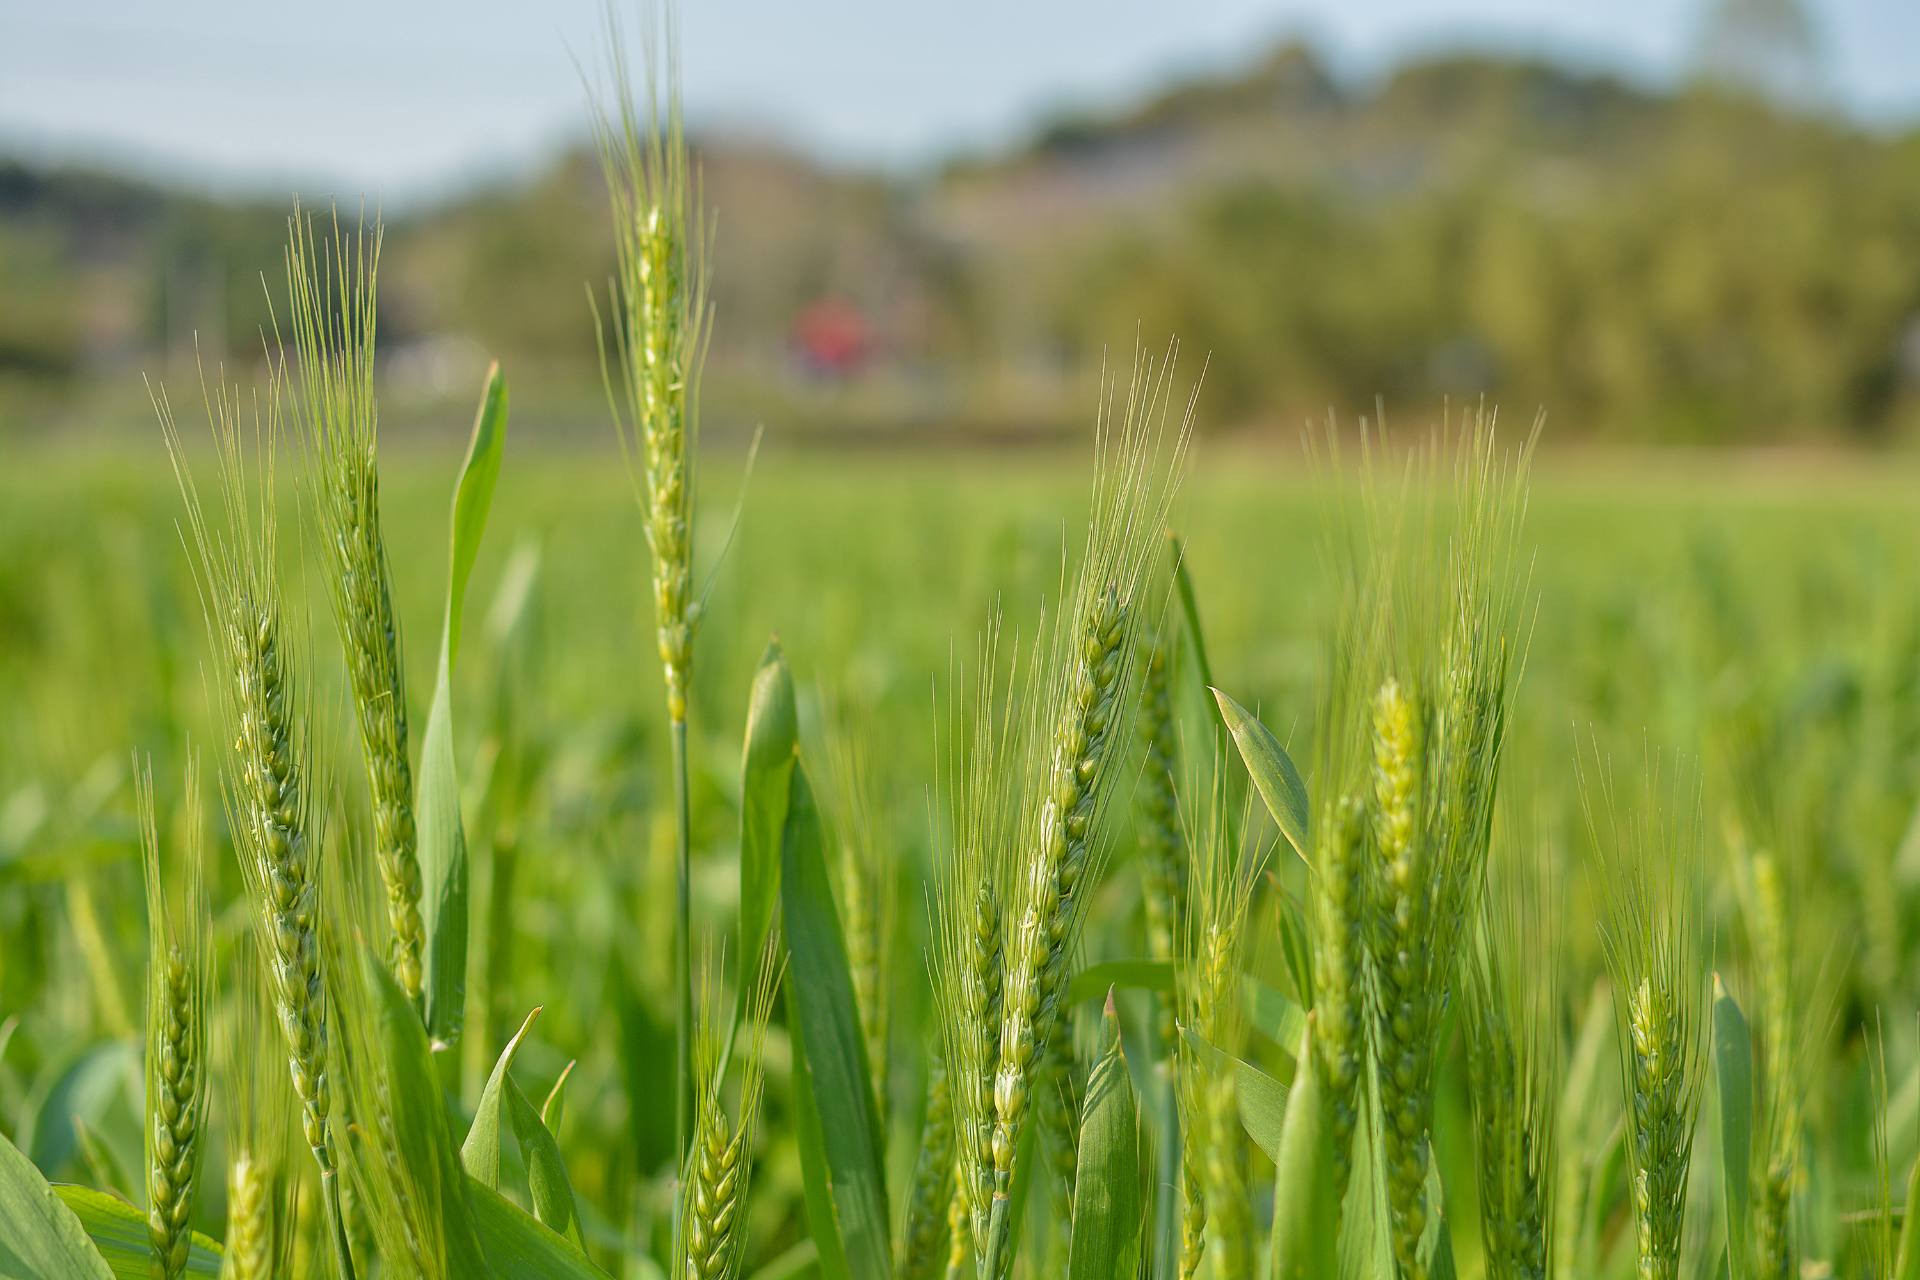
(119,1232)
(43,1237)
(821,1004)
(480,1153)
(443,847)
(1107,1216)
(1272,770)
(766,778)
(548,1186)
(1733,1075)
(1262,1100)
(518,1247)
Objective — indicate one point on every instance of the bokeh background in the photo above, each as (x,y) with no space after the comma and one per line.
(1674,221)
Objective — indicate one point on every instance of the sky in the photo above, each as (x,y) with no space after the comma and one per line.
(403,99)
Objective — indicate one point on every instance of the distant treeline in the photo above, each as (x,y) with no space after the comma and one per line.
(1690,265)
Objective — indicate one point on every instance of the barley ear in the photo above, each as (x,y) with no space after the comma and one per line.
(334,311)
(179,986)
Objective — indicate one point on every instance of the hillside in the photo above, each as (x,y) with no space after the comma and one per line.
(1649,265)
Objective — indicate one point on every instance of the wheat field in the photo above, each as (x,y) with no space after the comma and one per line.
(1397,852)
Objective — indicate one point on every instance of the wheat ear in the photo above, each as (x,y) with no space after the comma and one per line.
(1090,697)
(1512,1062)
(178,987)
(1163,868)
(1653,948)
(931,1194)
(719,1168)
(334,310)
(258,1218)
(269,764)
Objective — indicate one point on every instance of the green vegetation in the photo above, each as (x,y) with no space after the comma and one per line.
(1068,970)
(1689,265)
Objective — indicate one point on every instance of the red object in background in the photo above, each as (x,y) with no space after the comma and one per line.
(832,337)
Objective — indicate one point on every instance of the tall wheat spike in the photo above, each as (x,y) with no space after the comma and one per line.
(660,322)
(981,755)
(259,1209)
(930,1196)
(179,986)
(1410,739)
(1163,863)
(269,775)
(1028,799)
(1653,938)
(711,1234)
(1215,1175)
(334,296)
(1512,1060)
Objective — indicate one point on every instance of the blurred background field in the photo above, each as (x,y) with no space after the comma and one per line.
(1715,246)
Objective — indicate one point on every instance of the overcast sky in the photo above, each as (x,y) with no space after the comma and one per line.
(399,98)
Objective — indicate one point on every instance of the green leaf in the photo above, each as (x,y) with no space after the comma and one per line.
(417,1114)
(827,1022)
(443,844)
(803,1259)
(43,1240)
(517,1247)
(1094,981)
(1271,1013)
(555,1106)
(548,1185)
(1733,1073)
(119,1232)
(1272,771)
(1107,1213)
(766,779)
(815,1176)
(1263,1099)
(1190,612)
(480,1154)
(1306,1200)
